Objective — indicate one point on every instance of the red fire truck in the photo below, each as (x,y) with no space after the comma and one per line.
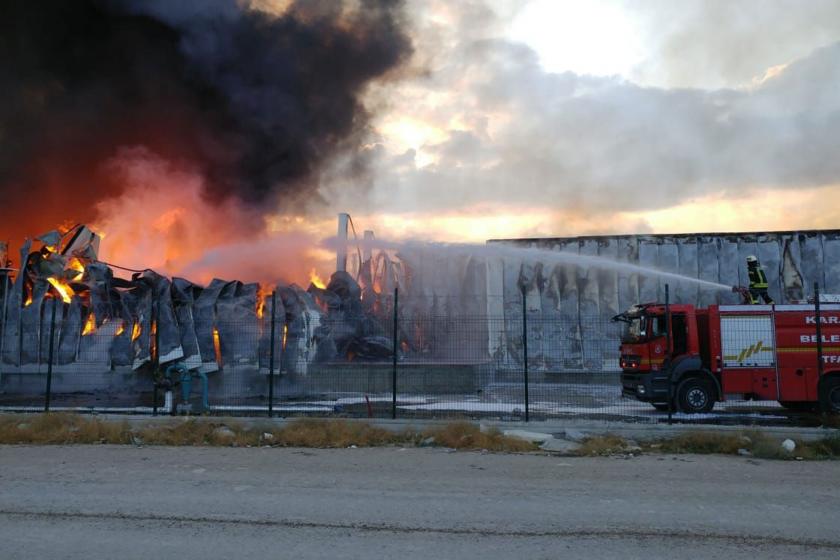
(694,357)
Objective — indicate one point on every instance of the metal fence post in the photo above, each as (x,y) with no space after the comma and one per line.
(50,356)
(525,354)
(394,364)
(817,320)
(5,274)
(155,363)
(271,356)
(667,361)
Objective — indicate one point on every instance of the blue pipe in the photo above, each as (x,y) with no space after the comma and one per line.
(186,376)
(205,390)
(186,386)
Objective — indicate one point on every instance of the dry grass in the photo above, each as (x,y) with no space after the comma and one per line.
(463,435)
(59,428)
(321,433)
(757,444)
(299,433)
(602,445)
(704,442)
(192,432)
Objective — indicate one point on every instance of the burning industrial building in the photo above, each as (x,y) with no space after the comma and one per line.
(66,312)
(196,124)
(177,129)
(452,316)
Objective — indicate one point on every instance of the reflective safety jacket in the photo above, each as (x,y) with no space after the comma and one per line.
(758,279)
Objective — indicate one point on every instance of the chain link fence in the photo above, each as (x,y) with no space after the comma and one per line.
(403,358)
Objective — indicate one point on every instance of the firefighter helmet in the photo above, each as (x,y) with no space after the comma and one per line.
(752,259)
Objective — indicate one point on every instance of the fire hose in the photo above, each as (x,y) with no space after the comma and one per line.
(744,292)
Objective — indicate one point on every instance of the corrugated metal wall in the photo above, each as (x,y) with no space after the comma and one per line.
(569,308)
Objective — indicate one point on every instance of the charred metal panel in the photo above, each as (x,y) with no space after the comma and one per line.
(303,317)
(183,297)
(812,263)
(71,331)
(590,318)
(236,311)
(30,324)
(204,315)
(708,249)
(831,263)
(12,326)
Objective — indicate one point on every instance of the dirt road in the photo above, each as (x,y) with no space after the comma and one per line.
(109,502)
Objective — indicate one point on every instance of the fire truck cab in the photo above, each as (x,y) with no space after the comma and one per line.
(694,357)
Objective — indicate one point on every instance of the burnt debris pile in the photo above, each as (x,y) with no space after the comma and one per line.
(349,328)
(149,320)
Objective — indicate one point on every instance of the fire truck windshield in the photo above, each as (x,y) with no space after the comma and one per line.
(634,330)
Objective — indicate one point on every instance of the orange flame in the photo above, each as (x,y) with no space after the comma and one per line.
(135,331)
(316,280)
(76,264)
(263,293)
(285,333)
(63,289)
(120,329)
(90,325)
(217,345)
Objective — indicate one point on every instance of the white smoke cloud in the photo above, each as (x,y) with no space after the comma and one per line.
(484,122)
(720,43)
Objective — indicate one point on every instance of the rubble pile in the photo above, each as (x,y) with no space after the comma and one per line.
(148,319)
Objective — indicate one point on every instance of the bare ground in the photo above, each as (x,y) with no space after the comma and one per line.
(128,502)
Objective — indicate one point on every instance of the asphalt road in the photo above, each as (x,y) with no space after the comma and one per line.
(110,502)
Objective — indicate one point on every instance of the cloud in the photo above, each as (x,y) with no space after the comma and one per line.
(720,43)
(514,135)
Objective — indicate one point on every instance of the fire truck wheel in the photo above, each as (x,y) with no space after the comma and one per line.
(695,396)
(830,395)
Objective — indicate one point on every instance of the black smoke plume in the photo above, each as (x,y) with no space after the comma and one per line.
(258,100)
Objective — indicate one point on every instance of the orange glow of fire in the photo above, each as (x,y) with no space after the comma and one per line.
(90,325)
(76,264)
(285,333)
(263,294)
(217,345)
(316,280)
(63,289)
(120,329)
(135,331)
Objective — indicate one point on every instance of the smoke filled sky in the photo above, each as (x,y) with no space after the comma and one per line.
(549,117)
(181,128)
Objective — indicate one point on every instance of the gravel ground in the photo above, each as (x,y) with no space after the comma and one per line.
(125,502)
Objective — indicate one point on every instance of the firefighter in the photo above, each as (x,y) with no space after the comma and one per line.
(758,282)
